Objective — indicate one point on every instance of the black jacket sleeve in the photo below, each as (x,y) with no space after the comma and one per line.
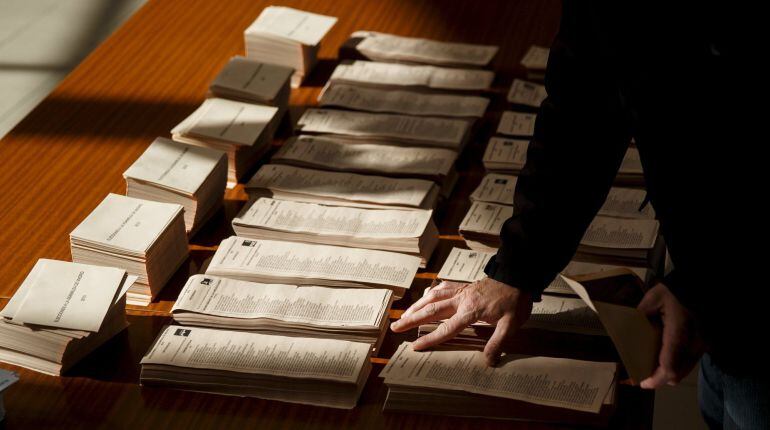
(581,135)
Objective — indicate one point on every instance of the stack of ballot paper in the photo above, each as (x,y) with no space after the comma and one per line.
(634,242)
(372,45)
(526,93)
(517,124)
(459,383)
(404,102)
(423,78)
(630,172)
(172,172)
(408,231)
(505,155)
(536,61)
(145,238)
(341,189)
(60,313)
(620,202)
(243,130)
(467,265)
(275,262)
(320,372)
(342,155)
(251,81)
(287,37)
(620,241)
(286,310)
(451,133)
(7,378)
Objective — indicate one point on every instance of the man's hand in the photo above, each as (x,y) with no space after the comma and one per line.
(462,305)
(680,347)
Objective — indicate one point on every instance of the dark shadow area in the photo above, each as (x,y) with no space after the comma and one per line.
(321,72)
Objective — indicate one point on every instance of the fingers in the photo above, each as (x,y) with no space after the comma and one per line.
(450,285)
(431,312)
(434,295)
(447,330)
(659,378)
(671,358)
(505,329)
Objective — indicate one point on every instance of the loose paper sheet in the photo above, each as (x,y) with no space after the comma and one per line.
(392,74)
(526,93)
(517,123)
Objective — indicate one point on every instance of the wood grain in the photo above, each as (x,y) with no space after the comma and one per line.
(70,152)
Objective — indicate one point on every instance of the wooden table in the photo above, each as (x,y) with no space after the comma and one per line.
(61,161)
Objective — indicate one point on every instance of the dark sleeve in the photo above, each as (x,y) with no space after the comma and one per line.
(581,134)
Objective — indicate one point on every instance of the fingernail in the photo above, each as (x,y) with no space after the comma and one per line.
(394,325)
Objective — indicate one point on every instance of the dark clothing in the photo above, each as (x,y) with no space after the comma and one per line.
(671,80)
(732,402)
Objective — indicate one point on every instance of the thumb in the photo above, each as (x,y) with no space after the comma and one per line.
(503,331)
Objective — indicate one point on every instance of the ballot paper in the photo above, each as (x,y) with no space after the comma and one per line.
(67,295)
(287,37)
(557,382)
(423,131)
(634,336)
(389,75)
(486,218)
(227,121)
(285,215)
(323,372)
(495,188)
(505,155)
(173,172)
(346,189)
(466,265)
(330,153)
(271,261)
(146,238)
(407,231)
(536,58)
(60,313)
(248,80)
(356,97)
(627,203)
(526,93)
(388,47)
(125,224)
(321,306)
(517,124)
(621,233)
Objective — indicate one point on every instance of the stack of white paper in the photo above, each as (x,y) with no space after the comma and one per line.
(390,75)
(60,313)
(622,241)
(355,97)
(630,172)
(620,202)
(274,262)
(517,124)
(285,310)
(321,372)
(540,389)
(526,93)
(341,189)
(145,238)
(287,37)
(451,133)
(251,81)
(389,47)
(536,61)
(7,378)
(633,242)
(341,155)
(172,172)
(467,265)
(408,231)
(243,130)
(505,155)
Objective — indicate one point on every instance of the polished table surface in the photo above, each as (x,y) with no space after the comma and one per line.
(61,161)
